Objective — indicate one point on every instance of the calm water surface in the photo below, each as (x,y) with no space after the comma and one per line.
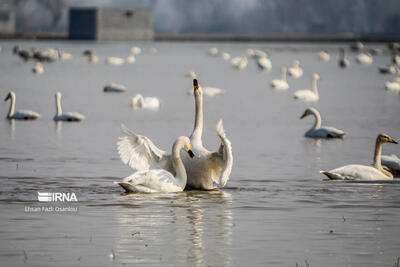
(276,209)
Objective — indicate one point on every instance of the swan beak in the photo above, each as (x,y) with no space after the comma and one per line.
(195,84)
(133,104)
(190,152)
(392,141)
(303,116)
(7,97)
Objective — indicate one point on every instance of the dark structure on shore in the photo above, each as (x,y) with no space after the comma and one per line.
(7,20)
(110,24)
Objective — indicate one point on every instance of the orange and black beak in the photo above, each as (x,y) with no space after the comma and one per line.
(190,152)
(304,115)
(392,141)
(195,84)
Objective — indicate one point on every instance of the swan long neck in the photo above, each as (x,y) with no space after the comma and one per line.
(284,75)
(377,155)
(198,122)
(12,106)
(58,105)
(314,86)
(317,116)
(180,172)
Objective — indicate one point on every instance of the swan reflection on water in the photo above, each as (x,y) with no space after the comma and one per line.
(183,225)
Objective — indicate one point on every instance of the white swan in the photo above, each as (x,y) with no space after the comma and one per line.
(140,102)
(213,51)
(394,85)
(68,116)
(116,61)
(295,71)
(38,68)
(136,50)
(160,180)
(225,56)
(323,56)
(364,58)
(362,172)
(131,59)
(392,162)
(282,83)
(239,62)
(320,132)
(207,167)
(190,74)
(19,115)
(113,87)
(264,63)
(343,61)
(309,95)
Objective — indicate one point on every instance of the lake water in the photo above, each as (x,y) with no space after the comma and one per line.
(276,209)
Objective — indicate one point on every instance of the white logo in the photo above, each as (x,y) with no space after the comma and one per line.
(54,197)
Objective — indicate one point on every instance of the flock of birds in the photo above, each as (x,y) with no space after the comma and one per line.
(159,171)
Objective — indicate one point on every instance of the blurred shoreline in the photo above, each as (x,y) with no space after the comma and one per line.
(222,37)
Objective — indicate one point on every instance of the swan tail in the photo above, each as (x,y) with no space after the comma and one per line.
(332,176)
(226,151)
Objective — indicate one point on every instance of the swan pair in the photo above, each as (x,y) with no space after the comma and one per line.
(320,132)
(309,95)
(202,171)
(140,102)
(361,172)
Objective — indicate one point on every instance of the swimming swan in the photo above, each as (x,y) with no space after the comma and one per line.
(362,172)
(239,62)
(38,68)
(295,71)
(140,102)
(323,56)
(264,64)
(19,115)
(309,95)
(320,132)
(113,87)
(282,83)
(394,85)
(364,58)
(160,180)
(68,116)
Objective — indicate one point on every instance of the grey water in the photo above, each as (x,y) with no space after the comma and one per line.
(276,210)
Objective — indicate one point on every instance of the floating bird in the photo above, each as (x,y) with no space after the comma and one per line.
(323,56)
(131,59)
(38,68)
(309,95)
(357,46)
(113,87)
(264,63)
(295,71)
(394,85)
(160,180)
(282,83)
(213,51)
(68,116)
(343,62)
(317,131)
(136,50)
(364,58)
(225,56)
(362,172)
(116,61)
(140,102)
(191,74)
(239,62)
(19,115)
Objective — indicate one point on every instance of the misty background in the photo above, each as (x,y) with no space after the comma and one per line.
(363,17)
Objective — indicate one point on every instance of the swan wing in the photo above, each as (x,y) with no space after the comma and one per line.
(356,172)
(222,158)
(392,162)
(328,132)
(25,114)
(151,181)
(139,152)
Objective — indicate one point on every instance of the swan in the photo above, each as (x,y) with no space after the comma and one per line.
(160,180)
(392,162)
(394,85)
(250,52)
(116,61)
(191,74)
(210,91)
(136,50)
(38,68)
(320,132)
(343,61)
(259,54)
(281,84)
(113,87)
(140,102)
(225,56)
(19,115)
(362,172)
(295,71)
(239,62)
(323,56)
(264,63)
(308,95)
(388,69)
(68,116)
(357,46)
(364,58)
(131,59)
(91,56)
(213,51)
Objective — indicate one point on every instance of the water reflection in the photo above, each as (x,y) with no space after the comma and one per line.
(192,227)
(12,129)
(58,127)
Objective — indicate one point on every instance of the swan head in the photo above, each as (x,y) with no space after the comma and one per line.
(10,95)
(308,111)
(58,95)
(284,69)
(185,143)
(296,63)
(197,88)
(384,138)
(316,76)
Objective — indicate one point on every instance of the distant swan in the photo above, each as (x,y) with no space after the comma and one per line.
(136,50)
(362,172)
(213,51)
(38,68)
(309,95)
(113,87)
(239,62)
(264,63)
(140,102)
(116,61)
(394,85)
(364,58)
(225,56)
(160,180)
(324,56)
(19,115)
(68,116)
(295,71)
(282,83)
(131,59)
(320,132)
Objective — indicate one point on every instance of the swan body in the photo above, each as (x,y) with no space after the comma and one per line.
(309,95)
(343,61)
(392,162)
(282,83)
(131,59)
(38,68)
(295,71)
(364,58)
(264,64)
(116,61)
(160,180)
(394,85)
(136,50)
(213,51)
(19,115)
(140,102)
(362,172)
(225,56)
(68,116)
(317,131)
(239,62)
(113,87)
(323,56)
